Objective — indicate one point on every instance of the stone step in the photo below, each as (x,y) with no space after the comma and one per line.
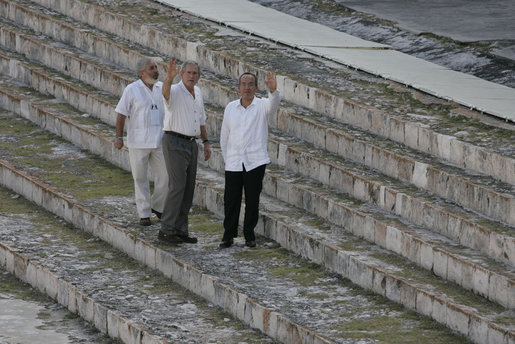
(492,281)
(87,178)
(479,234)
(299,245)
(407,128)
(121,297)
(435,214)
(472,192)
(436,253)
(268,274)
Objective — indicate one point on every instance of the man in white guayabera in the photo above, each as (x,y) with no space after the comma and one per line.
(244,142)
(142,104)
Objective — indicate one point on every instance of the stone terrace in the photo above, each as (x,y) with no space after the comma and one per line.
(405,195)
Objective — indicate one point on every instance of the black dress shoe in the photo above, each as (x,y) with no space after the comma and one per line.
(187,239)
(250,243)
(226,243)
(158,214)
(172,239)
(145,221)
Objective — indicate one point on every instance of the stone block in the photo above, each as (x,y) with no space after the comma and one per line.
(85,306)
(270,228)
(440,310)
(497,334)
(72,298)
(390,199)
(478,329)
(498,289)
(360,273)
(324,174)
(52,285)
(295,196)
(148,338)
(420,175)
(257,315)
(394,239)
(380,230)
(332,139)
(467,275)
(100,317)
(330,255)
(408,295)
(379,281)
(481,279)
(440,263)
(63,292)
(424,303)
(458,319)
(113,320)
(454,268)
(360,188)
(342,266)
(20,266)
(358,224)
(393,288)
(164,262)
(207,288)
(314,250)
(411,135)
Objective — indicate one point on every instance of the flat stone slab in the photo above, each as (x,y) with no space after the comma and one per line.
(378,59)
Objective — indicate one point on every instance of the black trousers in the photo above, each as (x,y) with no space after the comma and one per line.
(235,182)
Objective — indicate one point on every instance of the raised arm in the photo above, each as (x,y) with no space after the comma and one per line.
(271,81)
(171,72)
(274,97)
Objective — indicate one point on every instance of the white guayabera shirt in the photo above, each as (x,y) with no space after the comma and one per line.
(244,135)
(183,113)
(137,103)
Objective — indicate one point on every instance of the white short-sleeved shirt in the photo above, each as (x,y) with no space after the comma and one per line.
(136,102)
(183,113)
(244,135)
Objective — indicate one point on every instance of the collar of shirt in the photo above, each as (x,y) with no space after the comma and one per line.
(183,87)
(254,101)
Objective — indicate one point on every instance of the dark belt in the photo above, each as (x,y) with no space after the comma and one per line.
(186,137)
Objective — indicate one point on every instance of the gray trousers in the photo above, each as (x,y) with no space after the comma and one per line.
(181,163)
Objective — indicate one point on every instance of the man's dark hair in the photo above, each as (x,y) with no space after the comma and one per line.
(248,73)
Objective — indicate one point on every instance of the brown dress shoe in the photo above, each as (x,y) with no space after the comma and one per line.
(187,239)
(145,221)
(172,239)
(250,243)
(226,243)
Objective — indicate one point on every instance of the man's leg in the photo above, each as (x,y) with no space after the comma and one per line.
(189,188)
(232,203)
(252,184)
(176,160)
(157,164)
(139,166)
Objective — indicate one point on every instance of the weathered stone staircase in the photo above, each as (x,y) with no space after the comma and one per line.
(406,196)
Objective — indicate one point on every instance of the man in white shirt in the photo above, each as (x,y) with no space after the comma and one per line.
(142,104)
(244,141)
(184,122)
